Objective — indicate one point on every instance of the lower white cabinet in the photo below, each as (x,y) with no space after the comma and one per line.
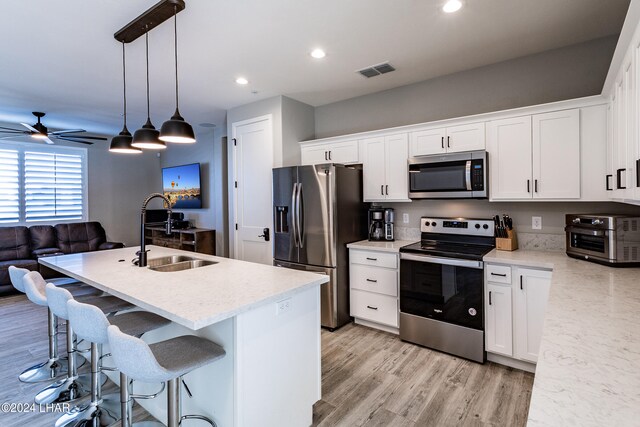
(498,323)
(515,310)
(531,293)
(373,283)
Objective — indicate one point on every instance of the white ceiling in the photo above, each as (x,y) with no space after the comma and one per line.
(60,56)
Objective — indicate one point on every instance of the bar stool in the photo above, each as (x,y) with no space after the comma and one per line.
(73,386)
(90,323)
(165,361)
(53,367)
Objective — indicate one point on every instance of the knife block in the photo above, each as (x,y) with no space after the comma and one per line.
(509,243)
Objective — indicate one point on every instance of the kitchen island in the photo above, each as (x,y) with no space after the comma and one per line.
(266,318)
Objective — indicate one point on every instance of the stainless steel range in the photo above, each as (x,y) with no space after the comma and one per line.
(441,286)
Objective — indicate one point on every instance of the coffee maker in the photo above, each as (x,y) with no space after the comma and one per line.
(381,223)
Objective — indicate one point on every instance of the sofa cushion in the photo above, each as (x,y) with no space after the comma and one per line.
(29,264)
(42,236)
(46,251)
(14,243)
(79,237)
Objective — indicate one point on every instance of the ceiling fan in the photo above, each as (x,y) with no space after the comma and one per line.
(40,131)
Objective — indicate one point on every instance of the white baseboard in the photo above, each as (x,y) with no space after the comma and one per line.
(513,363)
(375,325)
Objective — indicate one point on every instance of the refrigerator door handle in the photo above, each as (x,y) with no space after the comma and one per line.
(299,216)
(293,218)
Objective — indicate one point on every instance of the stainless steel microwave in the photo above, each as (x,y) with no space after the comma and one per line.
(449,176)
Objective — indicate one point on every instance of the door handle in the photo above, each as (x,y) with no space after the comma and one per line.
(300,215)
(619,179)
(294,223)
(265,234)
(608,182)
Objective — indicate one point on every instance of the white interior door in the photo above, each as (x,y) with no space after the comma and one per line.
(253,164)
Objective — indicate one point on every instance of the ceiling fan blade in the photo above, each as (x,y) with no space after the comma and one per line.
(60,132)
(31,128)
(97,138)
(4,129)
(79,141)
(47,140)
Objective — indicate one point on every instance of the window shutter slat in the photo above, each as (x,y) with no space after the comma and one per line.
(9,186)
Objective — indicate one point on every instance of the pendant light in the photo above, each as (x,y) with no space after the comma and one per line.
(176,129)
(147,136)
(121,143)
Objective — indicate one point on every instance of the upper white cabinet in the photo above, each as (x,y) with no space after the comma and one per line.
(340,152)
(384,168)
(556,155)
(535,157)
(531,293)
(453,139)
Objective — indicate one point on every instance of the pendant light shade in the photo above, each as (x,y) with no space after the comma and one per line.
(147,136)
(176,129)
(121,143)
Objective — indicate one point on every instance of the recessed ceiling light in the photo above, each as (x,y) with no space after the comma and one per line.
(318,53)
(242,81)
(452,6)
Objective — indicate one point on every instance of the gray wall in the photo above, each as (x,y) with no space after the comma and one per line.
(565,73)
(210,152)
(298,124)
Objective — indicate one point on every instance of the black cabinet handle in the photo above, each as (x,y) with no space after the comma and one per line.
(329,154)
(382,190)
(448,142)
(528,186)
(608,182)
(619,179)
(535,185)
(372,281)
(372,259)
(325,156)
(442,141)
(638,173)
(372,308)
(489,297)
(498,274)
(521,282)
(387,189)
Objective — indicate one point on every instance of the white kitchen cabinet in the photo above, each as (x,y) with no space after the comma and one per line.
(453,139)
(556,155)
(341,152)
(535,157)
(510,158)
(498,328)
(373,284)
(531,293)
(384,168)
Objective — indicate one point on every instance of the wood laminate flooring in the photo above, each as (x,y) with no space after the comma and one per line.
(369,378)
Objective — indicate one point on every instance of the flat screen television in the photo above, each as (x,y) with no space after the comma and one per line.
(181,185)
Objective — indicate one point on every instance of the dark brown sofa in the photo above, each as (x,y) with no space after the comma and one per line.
(22,246)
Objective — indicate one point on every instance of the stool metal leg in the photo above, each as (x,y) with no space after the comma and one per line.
(173,402)
(99,411)
(53,367)
(71,388)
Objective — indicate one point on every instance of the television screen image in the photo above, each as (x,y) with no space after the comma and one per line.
(181,185)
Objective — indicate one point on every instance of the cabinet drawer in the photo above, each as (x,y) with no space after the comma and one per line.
(498,273)
(378,259)
(374,279)
(374,307)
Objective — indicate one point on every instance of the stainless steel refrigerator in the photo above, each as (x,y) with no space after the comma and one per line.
(318,210)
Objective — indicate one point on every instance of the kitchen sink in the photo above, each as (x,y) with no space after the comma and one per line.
(177,263)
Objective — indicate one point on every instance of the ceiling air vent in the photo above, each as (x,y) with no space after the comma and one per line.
(376,70)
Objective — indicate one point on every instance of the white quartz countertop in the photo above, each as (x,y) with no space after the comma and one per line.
(380,246)
(193,298)
(588,371)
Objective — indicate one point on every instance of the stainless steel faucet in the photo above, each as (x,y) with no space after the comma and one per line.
(142,253)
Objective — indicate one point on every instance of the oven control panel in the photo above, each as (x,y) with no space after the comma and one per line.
(472,227)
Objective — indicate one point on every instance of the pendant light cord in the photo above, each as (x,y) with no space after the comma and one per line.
(146,35)
(175,47)
(124,84)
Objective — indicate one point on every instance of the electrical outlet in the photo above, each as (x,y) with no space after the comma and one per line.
(536,222)
(283,306)
(405,218)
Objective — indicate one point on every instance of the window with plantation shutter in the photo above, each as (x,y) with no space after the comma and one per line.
(42,184)
(9,186)
(53,187)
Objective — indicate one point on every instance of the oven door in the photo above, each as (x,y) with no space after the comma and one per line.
(450,176)
(584,241)
(449,290)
